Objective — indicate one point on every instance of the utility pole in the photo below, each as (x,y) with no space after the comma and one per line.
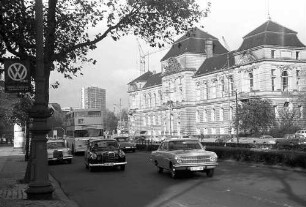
(39,186)
(237,121)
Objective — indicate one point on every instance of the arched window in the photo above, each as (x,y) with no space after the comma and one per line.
(285,81)
(221,114)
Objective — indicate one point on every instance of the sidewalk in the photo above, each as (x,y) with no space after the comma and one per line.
(12,192)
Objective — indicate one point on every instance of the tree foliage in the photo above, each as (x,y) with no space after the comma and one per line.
(110,121)
(255,116)
(67,39)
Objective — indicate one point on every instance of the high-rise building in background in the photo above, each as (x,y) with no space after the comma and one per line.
(93,98)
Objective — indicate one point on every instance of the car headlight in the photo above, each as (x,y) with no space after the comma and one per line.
(93,156)
(121,153)
(213,158)
(178,159)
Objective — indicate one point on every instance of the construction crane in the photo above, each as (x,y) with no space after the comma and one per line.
(142,57)
(225,44)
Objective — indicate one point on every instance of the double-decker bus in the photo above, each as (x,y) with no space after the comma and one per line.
(82,125)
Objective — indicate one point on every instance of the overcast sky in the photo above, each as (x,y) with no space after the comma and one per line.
(118,62)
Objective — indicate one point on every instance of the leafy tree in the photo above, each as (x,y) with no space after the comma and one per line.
(255,116)
(67,24)
(111,121)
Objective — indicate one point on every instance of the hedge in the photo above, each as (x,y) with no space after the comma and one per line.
(271,157)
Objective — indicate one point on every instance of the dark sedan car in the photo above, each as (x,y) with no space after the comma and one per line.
(126,144)
(104,153)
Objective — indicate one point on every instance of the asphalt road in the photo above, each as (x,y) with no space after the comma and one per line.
(140,185)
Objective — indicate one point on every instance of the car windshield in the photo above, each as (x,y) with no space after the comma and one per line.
(184,145)
(55,145)
(122,139)
(105,145)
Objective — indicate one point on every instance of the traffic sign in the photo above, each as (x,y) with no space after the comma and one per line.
(17,76)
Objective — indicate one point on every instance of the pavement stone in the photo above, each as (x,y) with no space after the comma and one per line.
(12,191)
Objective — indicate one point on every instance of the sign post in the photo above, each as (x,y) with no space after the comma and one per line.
(17,76)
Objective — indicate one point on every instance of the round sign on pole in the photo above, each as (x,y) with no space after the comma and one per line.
(17,76)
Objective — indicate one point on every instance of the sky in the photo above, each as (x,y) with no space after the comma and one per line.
(118,61)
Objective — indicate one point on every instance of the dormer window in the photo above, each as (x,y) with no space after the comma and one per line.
(297,55)
(272,53)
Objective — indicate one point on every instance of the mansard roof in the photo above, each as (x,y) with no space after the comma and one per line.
(216,63)
(143,77)
(155,79)
(270,33)
(194,42)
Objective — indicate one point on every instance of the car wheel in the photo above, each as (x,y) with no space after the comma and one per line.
(210,172)
(69,161)
(173,172)
(86,166)
(133,150)
(91,169)
(122,167)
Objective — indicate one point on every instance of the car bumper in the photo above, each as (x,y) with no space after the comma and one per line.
(195,167)
(128,148)
(62,158)
(108,164)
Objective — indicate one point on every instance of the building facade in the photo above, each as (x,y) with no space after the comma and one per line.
(201,83)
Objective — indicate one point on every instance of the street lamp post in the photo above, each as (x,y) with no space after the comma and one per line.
(39,186)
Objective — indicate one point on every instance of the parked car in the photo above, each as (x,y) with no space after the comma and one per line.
(224,139)
(301,132)
(104,153)
(126,144)
(58,151)
(290,140)
(184,154)
(265,139)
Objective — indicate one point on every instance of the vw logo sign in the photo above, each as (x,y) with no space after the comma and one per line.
(17,72)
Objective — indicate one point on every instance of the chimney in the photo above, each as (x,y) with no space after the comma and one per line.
(209,48)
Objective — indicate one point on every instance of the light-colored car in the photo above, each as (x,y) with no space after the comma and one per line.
(265,139)
(301,132)
(58,151)
(104,153)
(184,154)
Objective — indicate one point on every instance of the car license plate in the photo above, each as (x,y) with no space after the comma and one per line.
(109,164)
(196,168)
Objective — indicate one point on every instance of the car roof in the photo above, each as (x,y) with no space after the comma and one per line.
(95,140)
(181,139)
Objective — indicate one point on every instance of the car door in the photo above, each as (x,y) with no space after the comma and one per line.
(162,154)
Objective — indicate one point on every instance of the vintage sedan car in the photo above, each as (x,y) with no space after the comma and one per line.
(126,144)
(184,154)
(104,153)
(58,151)
(290,140)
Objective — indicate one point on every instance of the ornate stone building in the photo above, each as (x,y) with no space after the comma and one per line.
(201,82)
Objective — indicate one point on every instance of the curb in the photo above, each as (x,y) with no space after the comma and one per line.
(61,194)
(278,167)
